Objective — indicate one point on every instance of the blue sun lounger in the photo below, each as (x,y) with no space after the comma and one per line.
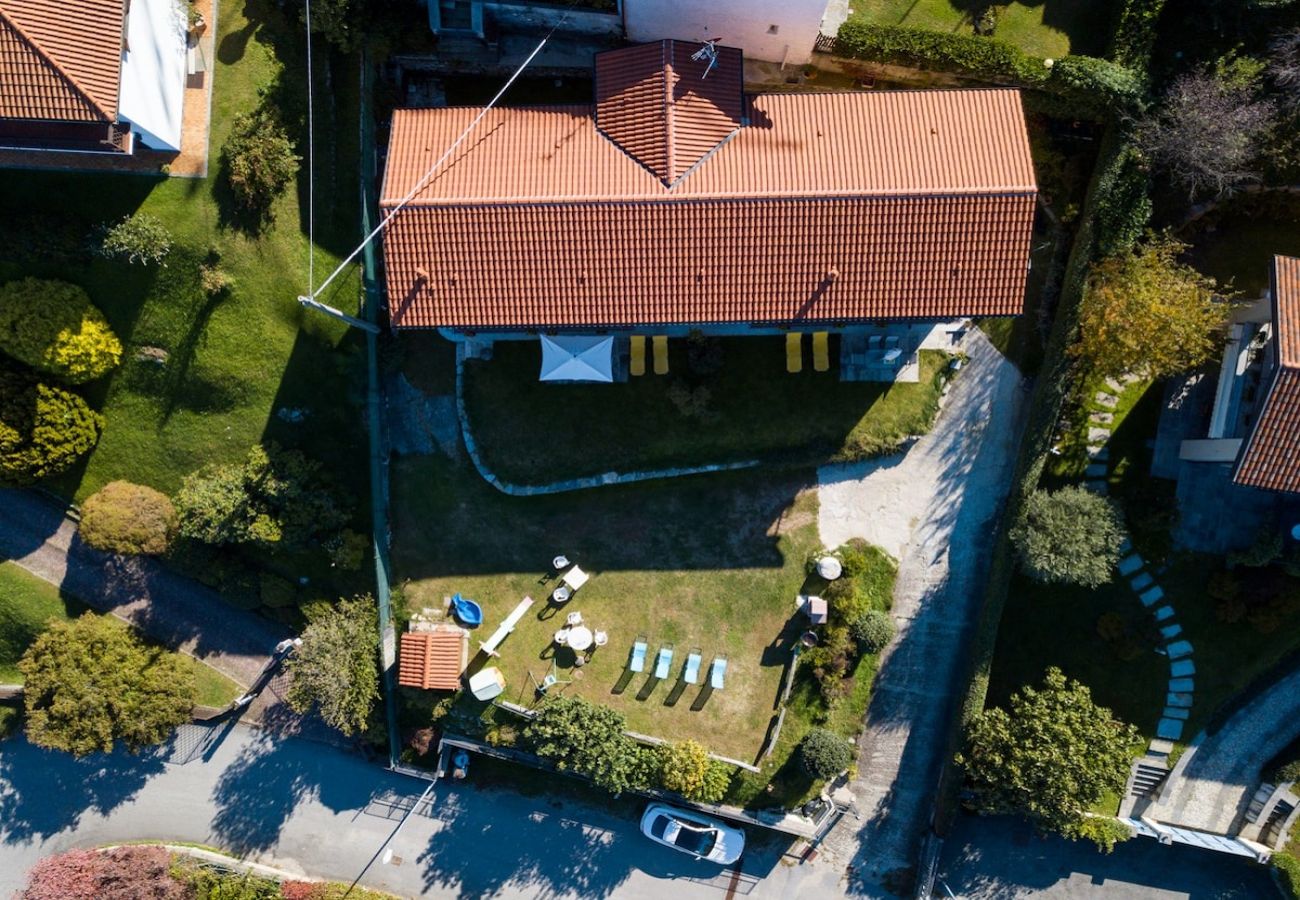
(664,662)
(639,650)
(717,672)
(692,673)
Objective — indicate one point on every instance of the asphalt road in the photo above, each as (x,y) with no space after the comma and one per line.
(309,808)
(1003,858)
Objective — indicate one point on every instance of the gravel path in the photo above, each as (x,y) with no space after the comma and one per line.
(1211,787)
(933,508)
(169,607)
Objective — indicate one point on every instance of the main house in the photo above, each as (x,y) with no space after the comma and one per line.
(92,76)
(678,202)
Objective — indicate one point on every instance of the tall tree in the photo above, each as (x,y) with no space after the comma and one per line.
(1147,314)
(1050,758)
(90,682)
(337,668)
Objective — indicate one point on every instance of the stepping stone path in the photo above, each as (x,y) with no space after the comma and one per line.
(1099,429)
(1182,671)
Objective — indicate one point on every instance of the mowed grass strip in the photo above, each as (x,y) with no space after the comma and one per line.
(712,563)
(27,606)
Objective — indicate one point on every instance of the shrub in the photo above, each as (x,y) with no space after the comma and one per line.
(139,239)
(122,873)
(825,754)
(1124,207)
(276,592)
(214,280)
(1135,31)
(982,57)
(336,670)
(873,630)
(53,327)
(91,682)
(1104,86)
(1103,831)
(1287,867)
(122,517)
(686,768)
(1070,536)
(585,738)
(259,162)
(43,430)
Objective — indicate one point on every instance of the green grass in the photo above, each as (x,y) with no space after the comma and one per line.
(232,363)
(1048,28)
(1239,251)
(531,432)
(28,604)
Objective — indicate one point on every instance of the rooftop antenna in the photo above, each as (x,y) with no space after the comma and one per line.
(710,52)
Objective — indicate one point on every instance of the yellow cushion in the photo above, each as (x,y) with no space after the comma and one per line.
(638,354)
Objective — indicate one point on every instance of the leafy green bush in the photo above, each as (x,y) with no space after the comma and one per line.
(825,754)
(1124,207)
(276,592)
(122,517)
(1135,31)
(873,630)
(686,768)
(1103,831)
(53,327)
(259,161)
(979,56)
(1287,867)
(586,738)
(43,430)
(1070,536)
(140,239)
(1105,86)
(336,670)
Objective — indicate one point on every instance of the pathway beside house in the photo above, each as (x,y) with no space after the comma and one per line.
(179,612)
(933,508)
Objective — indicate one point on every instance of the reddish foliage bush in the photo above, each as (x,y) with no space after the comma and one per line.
(123,873)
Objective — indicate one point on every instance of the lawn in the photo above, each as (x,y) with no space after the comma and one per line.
(27,604)
(533,432)
(1238,250)
(234,363)
(1048,28)
(713,563)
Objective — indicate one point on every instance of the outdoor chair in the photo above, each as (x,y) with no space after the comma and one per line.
(573,618)
(692,673)
(562,637)
(560,563)
(664,662)
(660,344)
(575,578)
(821,351)
(794,353)
(637,363)
(639,650)
(873,342)
(717,672)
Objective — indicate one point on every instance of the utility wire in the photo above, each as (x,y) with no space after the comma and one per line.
(419,185)
(311,164)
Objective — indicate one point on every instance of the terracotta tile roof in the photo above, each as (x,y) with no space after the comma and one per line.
(61,60)
(823,207)
(433,660)
(1271,456)
(656,102)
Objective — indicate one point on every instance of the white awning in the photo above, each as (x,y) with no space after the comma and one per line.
(579,357)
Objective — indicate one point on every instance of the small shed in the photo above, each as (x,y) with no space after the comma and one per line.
(433,659)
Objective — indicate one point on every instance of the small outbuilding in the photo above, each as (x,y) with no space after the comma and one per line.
(433,659)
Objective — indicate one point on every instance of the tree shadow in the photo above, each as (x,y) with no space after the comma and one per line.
(45,792)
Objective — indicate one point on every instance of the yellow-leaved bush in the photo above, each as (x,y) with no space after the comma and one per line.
(53,327)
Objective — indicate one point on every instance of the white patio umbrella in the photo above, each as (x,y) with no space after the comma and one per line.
(577,357)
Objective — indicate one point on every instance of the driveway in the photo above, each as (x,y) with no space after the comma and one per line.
(169,607)
(934,508)
(1001,858)
(309,808)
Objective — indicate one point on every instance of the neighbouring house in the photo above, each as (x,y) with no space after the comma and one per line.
(92,76)
(679,203)
(433,657)
(1233,443)
(780,31)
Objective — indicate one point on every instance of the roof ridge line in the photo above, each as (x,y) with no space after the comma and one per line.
(58,67)
(666,66)
(719,198)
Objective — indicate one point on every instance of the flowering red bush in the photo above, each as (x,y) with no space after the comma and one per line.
(123,873)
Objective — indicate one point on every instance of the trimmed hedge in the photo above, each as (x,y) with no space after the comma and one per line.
(1135,32)
(53,327)
(43,430)
(1093,88)
(127,518)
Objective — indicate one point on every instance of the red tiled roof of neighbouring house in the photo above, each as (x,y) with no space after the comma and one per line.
(1270,458)
(433,660)
(914,204)
(61,60)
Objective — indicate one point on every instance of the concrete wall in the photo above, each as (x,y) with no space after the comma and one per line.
(773,30)
(541,18)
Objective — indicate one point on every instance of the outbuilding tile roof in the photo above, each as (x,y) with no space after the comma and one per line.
(1271,456)
(821,207)
(61,59)
(433,660)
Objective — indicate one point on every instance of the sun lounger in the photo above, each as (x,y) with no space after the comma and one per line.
(692,673)
(637,364)
(664,662)
(575,578)
(490,645)
(821,351)
(794,352)
(639,649)
(717,672)
(660,345)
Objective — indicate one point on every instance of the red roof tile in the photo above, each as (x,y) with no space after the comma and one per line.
(433,660)
(1271,456)
(61,60)
(822,207)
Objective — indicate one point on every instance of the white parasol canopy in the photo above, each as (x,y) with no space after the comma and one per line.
(577,357)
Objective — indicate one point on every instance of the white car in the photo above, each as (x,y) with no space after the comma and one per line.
(693,833)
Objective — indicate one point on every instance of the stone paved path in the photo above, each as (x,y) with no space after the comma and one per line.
(167,606)
(933,508)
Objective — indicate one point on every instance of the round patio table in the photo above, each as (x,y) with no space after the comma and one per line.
(580,638)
